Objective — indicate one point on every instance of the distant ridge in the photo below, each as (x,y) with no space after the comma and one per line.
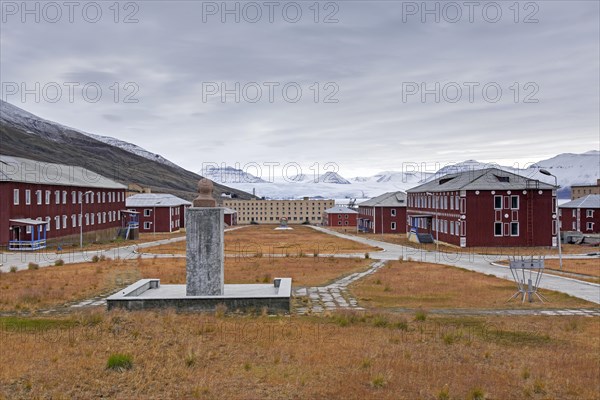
(23,134)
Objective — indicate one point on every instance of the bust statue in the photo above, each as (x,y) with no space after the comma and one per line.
(205,199)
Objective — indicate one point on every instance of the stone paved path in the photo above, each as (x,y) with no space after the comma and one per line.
(334,295)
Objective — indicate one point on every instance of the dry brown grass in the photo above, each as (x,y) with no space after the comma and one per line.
(508,251)
(200,356)
(264,239)
(52,286)
(588,267)
(144,238)
(425,285)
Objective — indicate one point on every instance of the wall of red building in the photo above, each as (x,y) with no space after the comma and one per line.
(230,219)
(163,218)
(535,226)
(8,210)
(534,216)
(569,222)
(383,215)
(341,219)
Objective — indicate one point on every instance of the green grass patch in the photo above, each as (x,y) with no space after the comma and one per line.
(119,362)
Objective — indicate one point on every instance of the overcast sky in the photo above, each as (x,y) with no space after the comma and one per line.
(370,60)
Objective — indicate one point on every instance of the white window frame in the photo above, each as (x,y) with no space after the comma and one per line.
(16,197)
(57,222)
(393,226)
(511,202)
(48,224)
(64,197)
(147,212)
(589,226)
(501,229)
(38,197)
(589,213)
(495,201)
(48,194)
(511,228)
(27,197)
(393,212)
(147,225)
(73,220)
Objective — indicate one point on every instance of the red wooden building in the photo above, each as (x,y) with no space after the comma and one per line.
(582,214)
(65,197)
(158,212)
(383,214)
(489,207)
(229,216)
(340,216)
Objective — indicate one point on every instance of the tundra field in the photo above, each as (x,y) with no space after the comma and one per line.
(409,341)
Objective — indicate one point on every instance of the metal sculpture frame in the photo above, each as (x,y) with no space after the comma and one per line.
(527,273)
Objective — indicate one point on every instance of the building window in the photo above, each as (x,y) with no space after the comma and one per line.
(16,197)
(589,213)
(514,202)
(574,213)
(38,197)
(57,222)
(48,224)
(147,212)
(64,222)
(74,220)
(57,197)
(92,217)
(87,218)
(27,197)
(393,226)
(104,217)
(514,229)
(393,212)
(147,225)
(74,197)
(590,226)
(80,197)
(103,197)
(451,226)
(498,226)
(498,202)
(64,197)
(47,197)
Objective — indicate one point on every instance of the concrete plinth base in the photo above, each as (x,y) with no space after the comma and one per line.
(150,294)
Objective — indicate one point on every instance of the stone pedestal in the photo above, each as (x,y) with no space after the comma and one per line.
(204,251)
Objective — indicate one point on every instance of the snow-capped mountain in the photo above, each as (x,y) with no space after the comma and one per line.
(569,168)
(15,116)
(132,148)
(230,175)
(573,169)
(331,177)
(23,134)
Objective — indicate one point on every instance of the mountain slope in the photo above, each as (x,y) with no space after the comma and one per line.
(24,135)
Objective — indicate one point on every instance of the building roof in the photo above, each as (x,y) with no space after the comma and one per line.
(389,199)
(340,210)
(589,201)
(28,221)
(155,200)
(17,169)
(482,179)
